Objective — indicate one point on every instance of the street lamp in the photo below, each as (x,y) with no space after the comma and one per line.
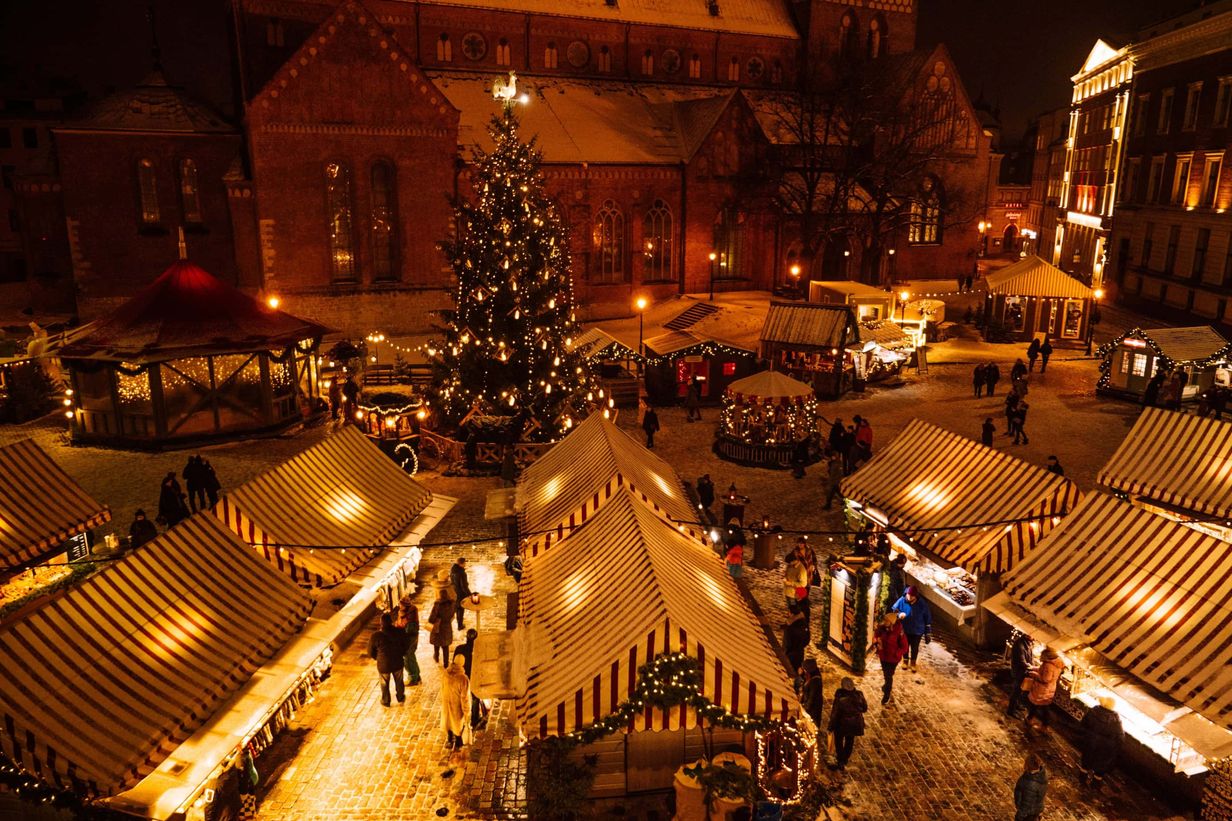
(902,301)
(794,271)
(641,304)
(1098,293)
(376,339)
(713,257)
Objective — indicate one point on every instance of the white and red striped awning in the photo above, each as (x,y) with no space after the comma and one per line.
(341,493)
(102,682)
(620,591)
(40,505)
(967,504)
(1179,459)
(565,486)
(1149,594)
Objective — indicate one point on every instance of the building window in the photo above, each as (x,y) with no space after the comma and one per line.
(1148,243)
(1180,179)
(1165,112)
(776,73)
(848,36)
(29,138)
(444,49)
(605,59)
(729,245)
(924,225)
(1199,258)
(1174,239)
(338,211)
(549,56)
(1155,181)
(648,62)
(1129,185)
(190,194)
(657,243)
(384,222)
(875,37)
(1192,100)
(1223,102)
(1227,264)
(695,67)
(502,52)
(733,70)
(147,187)
(609,242)
(274,35)
(1210,180)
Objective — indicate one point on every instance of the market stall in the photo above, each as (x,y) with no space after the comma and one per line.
(327,511)
(616,363)
(869,303)
(884,351)
(764,418)
(1129,361)
(1136,603)
(928,490)
(676,358)
(1031,298)
(811,343)
(44,514)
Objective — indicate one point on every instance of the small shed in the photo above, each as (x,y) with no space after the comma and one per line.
(615,362)
(190,358)
(869,302)
(676,358)
(1130,360)
(1033,298)
(810,343)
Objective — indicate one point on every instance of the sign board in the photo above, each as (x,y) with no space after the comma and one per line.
(78,547)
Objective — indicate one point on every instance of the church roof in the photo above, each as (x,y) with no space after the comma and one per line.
(770,18)
(152,105)
(188,312)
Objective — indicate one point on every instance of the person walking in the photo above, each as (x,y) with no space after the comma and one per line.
(1011,404)
(141,531)
(408,622)
(796,637)
(799,458)
(213,486)
(1102,736)
(650,424)
(455,704)
(834,478)
(835,438)
(705,492)
(194,482)
(847,447)
(440,618)
(1033,352)
(1043,687)
(1020,421)
(992,375)
(890,642)
(864,442)
(461,586)
(1045,353)
(171,507)
(795,581)
(350,392)
(734,559)
(388,647)
(335,399)
(1030,789)
(1054,466)
(812,696)
(987,431)
(693,401)
(807,557)
(917,621)
(1018,371)
(466,650)
(1022,654)
(896,577)
(1150,394)
(846,721)
(978,379)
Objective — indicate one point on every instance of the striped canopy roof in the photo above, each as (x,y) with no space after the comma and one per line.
(620,591)
(1148,593)
(1033,276)
(40,506)
(1179,459)
(565,486)
(104,681)
(929,477)
(343,492)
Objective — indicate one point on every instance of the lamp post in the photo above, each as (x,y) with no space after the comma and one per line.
(902,301)
(1098,294)
(795,277)
(713,257)
(376,339)
(641,304)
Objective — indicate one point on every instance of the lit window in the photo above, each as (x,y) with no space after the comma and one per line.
(147,187)
(605,59)
(924,225)
(444,49)
(733,70)
(1210,180)
(729,244)
(1192,100)
(1165,112)
(341,236)
(384,209)
(657,242)
(1139,364)
(695,67)
(549,56)
(875,36)
(849,37)
(190,195)
(609,241)
(502,52)
(648,62)
(1223,102)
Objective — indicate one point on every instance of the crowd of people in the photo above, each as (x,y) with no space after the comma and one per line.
(176,502)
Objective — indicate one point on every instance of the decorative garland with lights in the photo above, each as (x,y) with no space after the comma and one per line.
(740,415)
(31,789)
(1106,351)
(707,348)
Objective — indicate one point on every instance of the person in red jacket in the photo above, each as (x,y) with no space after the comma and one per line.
(890,642)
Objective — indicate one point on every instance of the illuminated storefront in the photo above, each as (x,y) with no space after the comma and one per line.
(1130,360)
(1031,298)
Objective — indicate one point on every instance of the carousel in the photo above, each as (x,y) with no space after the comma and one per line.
(768,420)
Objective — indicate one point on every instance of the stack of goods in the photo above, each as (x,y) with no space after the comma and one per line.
(1217,792)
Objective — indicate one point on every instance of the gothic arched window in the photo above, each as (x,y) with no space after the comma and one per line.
(876,37)
(657,245)
(609,242)
(190,194)
(384,222)
(338,212)
(924,225)
(147,189)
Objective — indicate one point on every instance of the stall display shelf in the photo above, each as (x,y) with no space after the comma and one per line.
(945,590)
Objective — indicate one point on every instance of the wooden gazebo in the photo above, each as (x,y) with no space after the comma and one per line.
(190,358)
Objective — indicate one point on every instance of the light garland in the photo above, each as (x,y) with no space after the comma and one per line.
(707,348)
(797,418)
(1106,351)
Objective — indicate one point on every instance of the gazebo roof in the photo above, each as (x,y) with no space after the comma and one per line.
(1033,276)
(770,385)
(188,312)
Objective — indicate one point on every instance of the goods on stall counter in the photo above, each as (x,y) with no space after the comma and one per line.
(954,582)
(303,694)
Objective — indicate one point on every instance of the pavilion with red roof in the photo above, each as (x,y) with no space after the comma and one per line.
(191,358)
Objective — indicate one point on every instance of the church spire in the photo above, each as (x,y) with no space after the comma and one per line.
(155,52)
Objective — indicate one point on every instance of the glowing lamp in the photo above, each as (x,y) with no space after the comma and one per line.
(903,295)
(641,303)
(1099,293)
(795,271)
(359,415)
(273,301)
(713,256)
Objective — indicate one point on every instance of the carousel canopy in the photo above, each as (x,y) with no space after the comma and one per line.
(1035,277)
(188,312)
(769,385)
(586,637)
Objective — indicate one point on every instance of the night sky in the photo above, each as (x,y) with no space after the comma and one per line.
(1022,55)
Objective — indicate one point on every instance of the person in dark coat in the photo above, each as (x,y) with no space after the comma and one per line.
(408,622)
(987,430)
(212,486)
(978,378)
(847,447)
(1030,789)
(335,398)
(799,458)
(812,696)
(1101,741)
(141,531)
(350,392)
(1045,353)
(650,424)
(1022,656)
(1020,421)
(837,430)
(992,375)
(896,576)
(1054,466)
(461,584)
(693,400)
(834,478)
(1150,395)
(388,647)
(1011,404)
(1033,352)
(1018,371)
(705,491)
(440,618)
(846,721)
(795,637)
(171,507)
(194,481)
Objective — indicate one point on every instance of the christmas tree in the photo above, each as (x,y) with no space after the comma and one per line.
(505,347)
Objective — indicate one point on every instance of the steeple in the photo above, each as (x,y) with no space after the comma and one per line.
(156,53)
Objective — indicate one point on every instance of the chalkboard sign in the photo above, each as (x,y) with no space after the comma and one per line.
(78,547)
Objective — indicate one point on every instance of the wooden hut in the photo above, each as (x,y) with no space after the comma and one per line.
(1130,360)
(1033,298)
(810,343)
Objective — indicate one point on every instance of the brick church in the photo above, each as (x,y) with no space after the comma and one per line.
(359,117)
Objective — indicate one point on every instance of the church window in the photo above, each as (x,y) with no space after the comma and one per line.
(550,56)
(729,244)
(147,188)
(756,68)
(605,59)
(924,225)
(876,38)
(657,243)
(502,52)
(695,67)
(444,49)
(609,241)
(733,70)
(190,194)
(848,32)
(648,62)
(274,35)
(384,233)
(338,212)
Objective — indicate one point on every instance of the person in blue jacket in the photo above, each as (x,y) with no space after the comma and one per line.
(917,622)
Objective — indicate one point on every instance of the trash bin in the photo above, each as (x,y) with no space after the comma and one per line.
(733,508)
(765,541)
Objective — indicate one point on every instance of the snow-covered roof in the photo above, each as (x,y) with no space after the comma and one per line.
(771,18)
(153,105)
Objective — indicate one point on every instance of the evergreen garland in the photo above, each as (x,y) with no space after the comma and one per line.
(859,646)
